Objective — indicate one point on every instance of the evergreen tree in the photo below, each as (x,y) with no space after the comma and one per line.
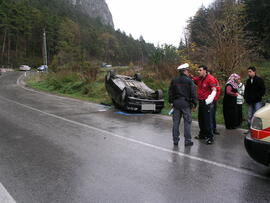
(258,27)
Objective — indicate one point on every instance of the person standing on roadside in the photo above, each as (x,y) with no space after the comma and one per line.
(230,102)
(206,92)
(254,91)
(182,97)
(240,101)
(213,112)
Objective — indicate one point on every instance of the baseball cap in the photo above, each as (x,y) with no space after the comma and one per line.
(183,66)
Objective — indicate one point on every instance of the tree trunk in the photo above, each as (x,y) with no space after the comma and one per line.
(3,47)
(16,47)
(8,59)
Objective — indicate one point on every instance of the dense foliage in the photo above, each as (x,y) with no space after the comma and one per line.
(230,34)
(71,36)
(218,36)
(258,26)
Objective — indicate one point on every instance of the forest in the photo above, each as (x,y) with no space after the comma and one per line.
(72,37)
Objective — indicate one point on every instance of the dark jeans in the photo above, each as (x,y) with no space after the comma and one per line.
(239,114)
(252,108)
(213,115)
(204,116)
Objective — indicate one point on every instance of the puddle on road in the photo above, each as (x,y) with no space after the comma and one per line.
(128,114)
(104,108)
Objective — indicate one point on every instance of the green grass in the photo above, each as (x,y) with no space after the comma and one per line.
(73,89)
(263,70)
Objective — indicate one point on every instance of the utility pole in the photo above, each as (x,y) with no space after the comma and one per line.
(45,58)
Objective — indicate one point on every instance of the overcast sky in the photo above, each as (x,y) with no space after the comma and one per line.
(158,21)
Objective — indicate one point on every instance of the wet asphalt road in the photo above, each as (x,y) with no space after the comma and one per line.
(55,149)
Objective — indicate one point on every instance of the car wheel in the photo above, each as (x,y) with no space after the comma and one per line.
(159,94)
(109,75)
(127,92)
(123,95)
(138,77)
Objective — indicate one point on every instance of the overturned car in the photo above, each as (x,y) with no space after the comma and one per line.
(131,94)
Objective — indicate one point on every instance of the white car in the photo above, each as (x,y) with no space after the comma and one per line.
(108,66)
(258,142)
(42,68)
(25,68)
(105,65)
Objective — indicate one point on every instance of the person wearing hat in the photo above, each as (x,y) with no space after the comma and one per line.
(182,96)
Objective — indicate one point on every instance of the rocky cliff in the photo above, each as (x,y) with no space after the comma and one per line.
(95,9)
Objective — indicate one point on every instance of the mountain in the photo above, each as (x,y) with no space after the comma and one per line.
(95,9)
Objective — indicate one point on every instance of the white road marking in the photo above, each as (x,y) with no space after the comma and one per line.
(221,165)
(5,197)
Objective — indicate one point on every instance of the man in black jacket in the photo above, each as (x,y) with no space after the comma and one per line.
(254,92)
(182,96)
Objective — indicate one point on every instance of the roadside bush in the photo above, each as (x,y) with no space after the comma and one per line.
(263,70)
(164,61)
(72,87)
(64,82)
(53,83)
(89,72)
(86,89)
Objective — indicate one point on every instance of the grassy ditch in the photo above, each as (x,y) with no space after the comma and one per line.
(71,86)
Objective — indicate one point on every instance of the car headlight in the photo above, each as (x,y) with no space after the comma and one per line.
(256,123)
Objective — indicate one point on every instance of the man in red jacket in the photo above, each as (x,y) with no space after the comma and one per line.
(206,92)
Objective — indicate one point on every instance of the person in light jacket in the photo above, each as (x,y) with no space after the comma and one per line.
(240,101)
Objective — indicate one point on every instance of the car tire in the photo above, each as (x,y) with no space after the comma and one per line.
(138,77)
(123,95)
(109,75)
(159,94)
(127,92)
